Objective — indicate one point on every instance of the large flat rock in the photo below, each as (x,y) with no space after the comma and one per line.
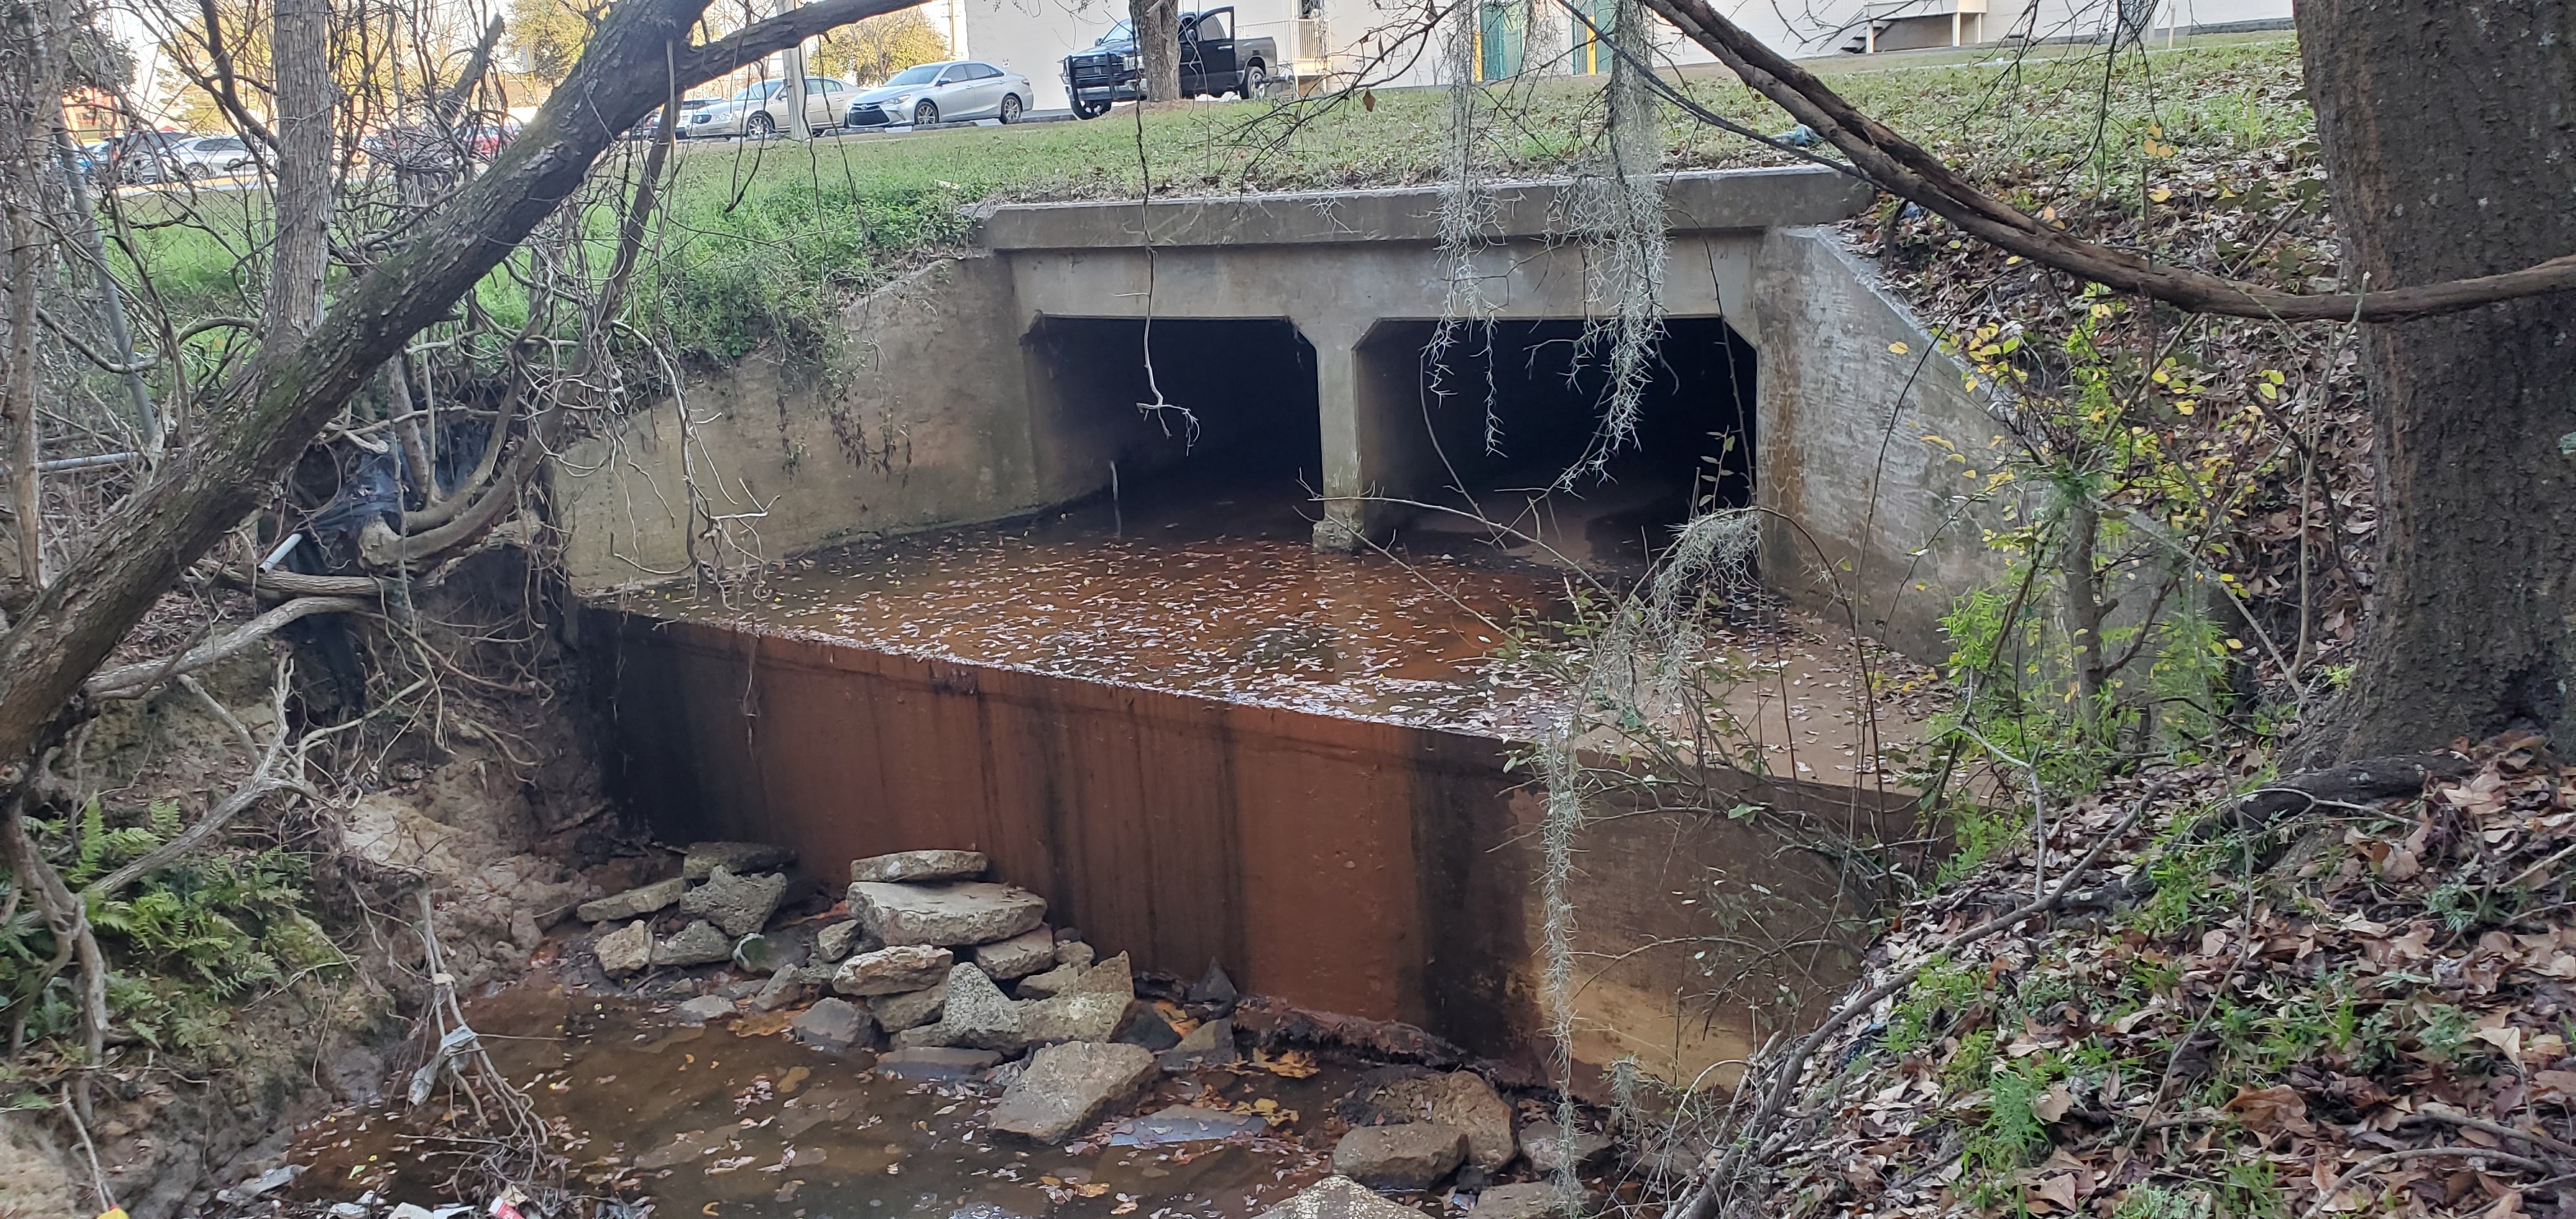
(945,915)
(633,903)
(1411,1156)
(913,867)
(937,1063)
(893,971)
(1459,1098)
(1339,1198)
(1019,956)
(1069,1086)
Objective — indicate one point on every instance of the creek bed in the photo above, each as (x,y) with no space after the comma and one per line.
(737,1119)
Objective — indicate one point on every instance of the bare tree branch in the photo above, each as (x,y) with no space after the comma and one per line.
(126,681)
(1902,168)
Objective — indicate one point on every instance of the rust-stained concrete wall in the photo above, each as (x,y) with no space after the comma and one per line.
(1345,865)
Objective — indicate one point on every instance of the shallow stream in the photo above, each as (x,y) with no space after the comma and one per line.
(736,1118)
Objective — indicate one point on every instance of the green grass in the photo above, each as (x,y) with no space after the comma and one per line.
(763,242)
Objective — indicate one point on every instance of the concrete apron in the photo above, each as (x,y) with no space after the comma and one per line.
(1348,865)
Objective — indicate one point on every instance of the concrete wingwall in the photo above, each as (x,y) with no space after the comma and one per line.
(952,404)
(925,423)
(1865,516)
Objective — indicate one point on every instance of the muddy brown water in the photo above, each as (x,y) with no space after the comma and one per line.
(1214,591)
(737,1120)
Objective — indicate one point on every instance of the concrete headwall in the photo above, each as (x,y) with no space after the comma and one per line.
(1864,511)
(954,407)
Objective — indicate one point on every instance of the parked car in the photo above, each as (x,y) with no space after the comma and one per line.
(148,156)
(1213,61)
(483,141)
(652,124)
(214,156)
(956,91)
(761,110)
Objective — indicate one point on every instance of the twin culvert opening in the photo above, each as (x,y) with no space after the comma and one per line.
(1487,425)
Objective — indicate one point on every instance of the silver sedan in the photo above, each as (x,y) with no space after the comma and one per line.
(957,91)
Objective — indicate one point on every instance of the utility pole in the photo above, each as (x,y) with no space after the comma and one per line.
(793,60)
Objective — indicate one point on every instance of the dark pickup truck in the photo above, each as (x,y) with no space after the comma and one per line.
(1213,61)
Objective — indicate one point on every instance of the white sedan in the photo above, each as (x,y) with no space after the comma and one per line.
(957,91)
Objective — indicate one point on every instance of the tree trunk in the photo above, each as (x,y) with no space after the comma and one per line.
(1158,40)
(284,395)
(2448,142)
(299,36)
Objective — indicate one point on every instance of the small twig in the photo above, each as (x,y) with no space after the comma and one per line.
(2384,1159)
(2456,1118)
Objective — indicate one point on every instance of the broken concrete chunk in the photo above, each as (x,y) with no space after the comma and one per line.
(1411,1156)
(1143,1024)
(1018,956)
(699,943)
(1339,1198)
(739,858)
(739,904)
(915,867)
(703,1009)
(1529,1200)
(950,915)
(626,950)
(1548,1148)
(892,971)
(1046,985)
(936,1063)
(1068,1087)
(922,1037)
(978,1016)
(1110,977)
(1209,1045)
(841,939)
(1079,1016)
(1460,1099)
(633,903)
(832,1024)
(1074,953)
(1214,987)
(783,988)
(910,1009)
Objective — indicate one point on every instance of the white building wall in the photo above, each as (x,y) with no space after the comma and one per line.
(1030,37)
(1378,38)
(1366,34)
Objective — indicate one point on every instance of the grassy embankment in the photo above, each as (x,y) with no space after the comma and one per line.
(763,241)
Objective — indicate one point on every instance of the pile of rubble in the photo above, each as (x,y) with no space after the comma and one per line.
(950,976)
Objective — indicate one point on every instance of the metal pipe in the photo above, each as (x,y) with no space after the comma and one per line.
(59,464)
